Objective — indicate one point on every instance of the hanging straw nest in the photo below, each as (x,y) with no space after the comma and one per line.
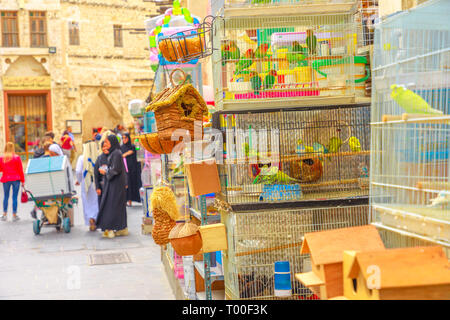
(165,213)
(163,225)
(185,238)
(155,145)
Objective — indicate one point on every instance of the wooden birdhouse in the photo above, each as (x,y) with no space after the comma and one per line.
(419,273)
(177,107)
(326,249)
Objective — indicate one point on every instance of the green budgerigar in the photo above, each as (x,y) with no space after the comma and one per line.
(410,101)
(273,175)
(354,144)
(334,145)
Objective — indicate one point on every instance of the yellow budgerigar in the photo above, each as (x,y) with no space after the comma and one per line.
(354,144)
(410,101)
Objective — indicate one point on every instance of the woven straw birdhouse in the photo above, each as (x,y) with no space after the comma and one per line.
(165,212)
(177,107)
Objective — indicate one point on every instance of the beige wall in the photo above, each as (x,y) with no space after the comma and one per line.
(93,72)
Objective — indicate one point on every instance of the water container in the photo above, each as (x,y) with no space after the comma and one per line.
(283,287)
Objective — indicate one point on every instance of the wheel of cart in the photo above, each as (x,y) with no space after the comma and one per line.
(55,212)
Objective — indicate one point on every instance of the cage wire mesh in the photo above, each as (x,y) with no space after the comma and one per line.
(258,239)
(410,182)
(276,57)
(366,17)
(295,155)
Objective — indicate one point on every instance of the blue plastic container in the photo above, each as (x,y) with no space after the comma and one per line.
(282,279)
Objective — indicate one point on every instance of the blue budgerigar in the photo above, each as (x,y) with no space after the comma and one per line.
(411,102)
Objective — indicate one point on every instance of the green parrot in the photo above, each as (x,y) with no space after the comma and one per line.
(311,41)
(273,175)
(261,51)
(410,101)
(245,61)
(334,145)
(261,1)
(270,80)
(256,82)
(296,47)
(354,144)
(230,51)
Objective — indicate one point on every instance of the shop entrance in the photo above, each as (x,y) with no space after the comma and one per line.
(27,119)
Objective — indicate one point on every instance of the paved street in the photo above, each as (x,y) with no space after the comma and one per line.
(55,265)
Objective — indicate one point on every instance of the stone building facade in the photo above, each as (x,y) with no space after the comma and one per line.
(70,60)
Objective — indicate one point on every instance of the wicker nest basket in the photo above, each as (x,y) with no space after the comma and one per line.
(185,238)
(154,144)
(162,227)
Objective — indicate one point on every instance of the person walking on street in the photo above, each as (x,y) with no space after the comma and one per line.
(102,161)
(50,136)
(85,177)
(66,144)
(74,147)
(134,169)
(112,216)
(13,177)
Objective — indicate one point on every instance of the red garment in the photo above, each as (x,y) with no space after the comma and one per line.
(12,170)
(66,142)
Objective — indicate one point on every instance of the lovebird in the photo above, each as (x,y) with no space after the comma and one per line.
(261,1)
(334,145)
(230,51)
(270,80)
(261,51)
(311,41)
(256,82)
(410,101)
(354,144)
(245,61)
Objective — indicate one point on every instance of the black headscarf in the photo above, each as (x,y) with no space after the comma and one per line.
(127,146)
(115,145)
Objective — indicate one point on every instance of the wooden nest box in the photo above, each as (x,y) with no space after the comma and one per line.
(419,273)
(326,249)
(178,107)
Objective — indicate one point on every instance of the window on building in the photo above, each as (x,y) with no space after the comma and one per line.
(118,40)
(74,33)
(27,122)
(38,29)
(9,29)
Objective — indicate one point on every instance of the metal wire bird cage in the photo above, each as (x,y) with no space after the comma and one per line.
(303,154)
(410,181)
(258,239)
(290,60)
(190,44)
(366,17)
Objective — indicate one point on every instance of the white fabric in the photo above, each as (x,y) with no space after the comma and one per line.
(89,198)
(90,155)
(56,149)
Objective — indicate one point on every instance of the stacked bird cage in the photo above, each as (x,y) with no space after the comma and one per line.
(366,17)
(287,60)
(300,154)
(260,238)
(410,181)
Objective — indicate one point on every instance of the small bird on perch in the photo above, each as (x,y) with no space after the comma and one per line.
(410,101)
(273,175)
(334,145)
(311,41)
(354,144)
(443,200)
(262,50)
(256,82)
(270,79)
(245,61)
(230,51)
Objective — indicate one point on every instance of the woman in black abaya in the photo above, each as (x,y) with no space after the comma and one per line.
(112,216)
(102,160)
(134,169)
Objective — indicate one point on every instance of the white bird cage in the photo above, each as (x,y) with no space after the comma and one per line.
(49,177)
(367,17)
(410,129)
(258,239)
(276,65)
